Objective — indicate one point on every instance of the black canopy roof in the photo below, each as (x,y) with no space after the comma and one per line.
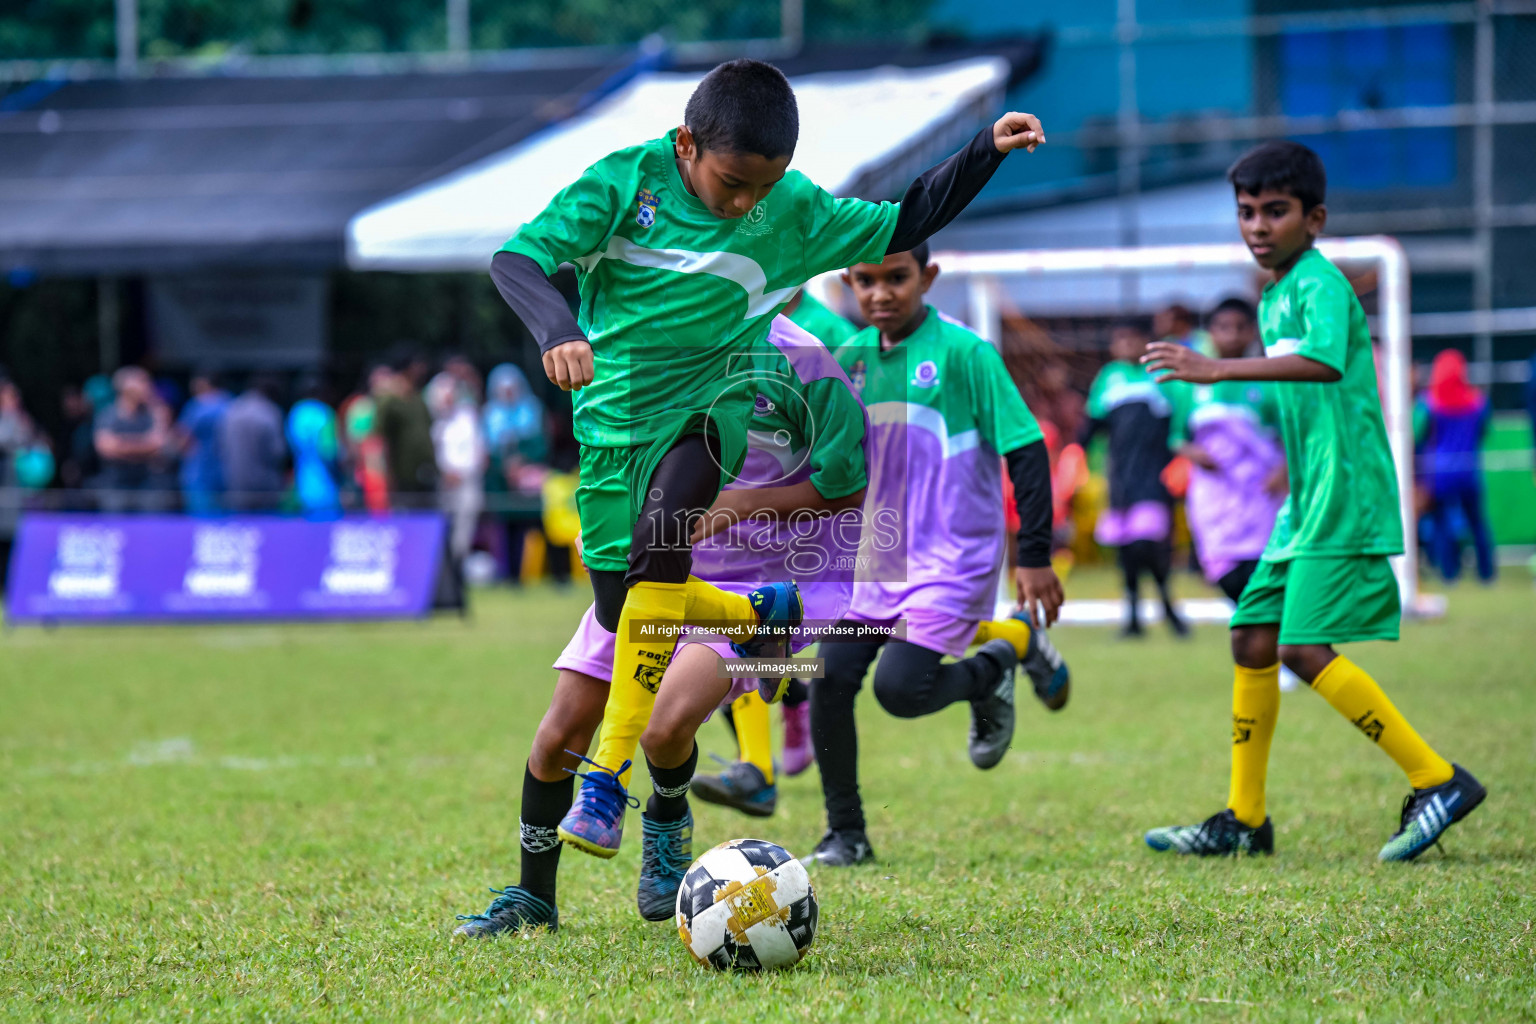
(168,174)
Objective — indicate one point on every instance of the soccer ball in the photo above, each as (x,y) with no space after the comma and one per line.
(747,905)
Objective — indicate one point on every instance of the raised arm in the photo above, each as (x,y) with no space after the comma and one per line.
(938,195)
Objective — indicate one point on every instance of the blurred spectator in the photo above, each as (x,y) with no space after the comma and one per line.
(462,370)
(202,474)
(518,450)
(316,454)
(1452,420)
(1230,433)
(26,464)
(405,425)
(252,450)
(365,448)
(74,443)
(1136,413)
(131,436)
(461,459)
(1177,323)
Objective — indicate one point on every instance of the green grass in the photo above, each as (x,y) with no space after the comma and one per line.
(248,823)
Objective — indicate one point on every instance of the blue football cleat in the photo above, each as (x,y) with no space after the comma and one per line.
(1046,668)
(666,850)
(595,822)
(779,612)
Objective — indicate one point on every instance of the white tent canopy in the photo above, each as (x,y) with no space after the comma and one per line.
(850,122)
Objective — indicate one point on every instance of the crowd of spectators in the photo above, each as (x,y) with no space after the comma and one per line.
(406,440)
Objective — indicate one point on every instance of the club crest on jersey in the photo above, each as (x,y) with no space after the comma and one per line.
(646,215)
(927,374)
(856,376)
(762,406)
(755,221)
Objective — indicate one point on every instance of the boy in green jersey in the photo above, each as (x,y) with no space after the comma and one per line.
(1324,577)
(685,248)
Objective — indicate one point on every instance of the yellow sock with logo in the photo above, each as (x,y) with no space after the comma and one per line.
(641,653)
(1359,698)
(1255,706)
(1015,631)
(753,733)
(727,613)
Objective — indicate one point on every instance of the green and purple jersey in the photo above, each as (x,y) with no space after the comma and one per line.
(943,410)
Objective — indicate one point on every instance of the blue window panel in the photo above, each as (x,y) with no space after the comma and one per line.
(1323,73)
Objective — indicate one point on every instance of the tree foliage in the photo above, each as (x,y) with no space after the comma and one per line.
(45,29)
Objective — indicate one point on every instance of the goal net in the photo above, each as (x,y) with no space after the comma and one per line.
(982,288)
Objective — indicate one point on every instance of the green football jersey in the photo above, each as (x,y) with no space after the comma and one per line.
(1344,498)
(831,329)
(669,291)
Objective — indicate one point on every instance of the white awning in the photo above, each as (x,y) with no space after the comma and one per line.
(852,124)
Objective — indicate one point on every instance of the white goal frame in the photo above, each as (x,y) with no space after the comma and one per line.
(983,271)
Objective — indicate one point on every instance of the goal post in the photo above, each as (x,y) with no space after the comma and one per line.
(982,274)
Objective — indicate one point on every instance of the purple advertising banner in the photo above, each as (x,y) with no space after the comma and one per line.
(98,568)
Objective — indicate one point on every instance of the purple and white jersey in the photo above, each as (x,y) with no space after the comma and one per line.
(943,411)
(1230,512)
(807,424)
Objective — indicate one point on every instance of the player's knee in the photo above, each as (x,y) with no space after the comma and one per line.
(903,698)
(666,741)
(1253,647)
(556,737)
(1306,660)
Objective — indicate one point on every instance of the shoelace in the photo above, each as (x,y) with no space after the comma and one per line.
(604,796)
(511,896)
(665,854)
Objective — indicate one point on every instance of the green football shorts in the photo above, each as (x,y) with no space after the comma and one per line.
(611,491)
(1323,600)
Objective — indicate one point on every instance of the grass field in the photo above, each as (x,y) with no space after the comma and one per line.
(280,823)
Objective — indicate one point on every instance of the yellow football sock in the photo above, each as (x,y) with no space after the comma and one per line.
(1255,706)
(1358,698)
(641,653)
(1014,631)
(753,736)
(717,609)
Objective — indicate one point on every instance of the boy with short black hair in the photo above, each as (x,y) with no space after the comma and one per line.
(1325,577)
(945,417)
(685,248)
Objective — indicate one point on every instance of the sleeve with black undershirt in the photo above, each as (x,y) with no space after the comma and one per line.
(938,195)
(1029,468)
(535,300)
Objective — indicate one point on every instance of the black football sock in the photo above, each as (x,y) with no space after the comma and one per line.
(544,804)
(669,788)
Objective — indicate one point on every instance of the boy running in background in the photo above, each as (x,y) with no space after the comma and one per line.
(805,475)
(1231,437)
(1137,413)
(1325,576)
(685,248)
(945,415)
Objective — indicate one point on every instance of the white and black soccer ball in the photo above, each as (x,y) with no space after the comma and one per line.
(747,905)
